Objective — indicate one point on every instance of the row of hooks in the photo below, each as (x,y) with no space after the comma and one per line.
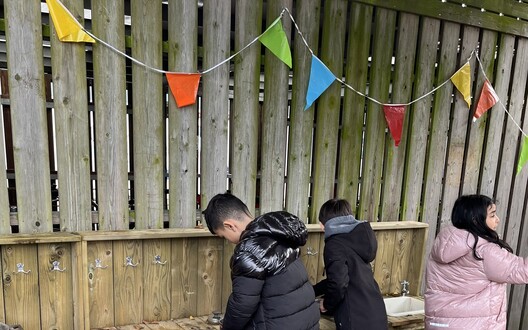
(98,264)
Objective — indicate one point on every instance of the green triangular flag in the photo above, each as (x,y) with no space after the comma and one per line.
(274,38)
(523,158)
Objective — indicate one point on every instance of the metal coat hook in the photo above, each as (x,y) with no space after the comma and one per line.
(20,269)
(130,263)
(311,251)
(56,267)
(157,260)
(99,264)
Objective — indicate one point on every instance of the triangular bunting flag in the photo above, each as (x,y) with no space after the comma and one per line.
(274,38)
(184,87)
(394,115)
(67,27)
(488,98)
(320,79)
(523,158)
(462,80)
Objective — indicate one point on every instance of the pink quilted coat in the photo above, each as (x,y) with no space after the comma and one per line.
(463,292)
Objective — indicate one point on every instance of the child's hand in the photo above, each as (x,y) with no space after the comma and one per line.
(321,306)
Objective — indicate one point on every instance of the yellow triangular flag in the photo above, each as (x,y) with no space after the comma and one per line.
(67,27)
(462,80)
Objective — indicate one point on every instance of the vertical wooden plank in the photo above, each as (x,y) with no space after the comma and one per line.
(28,115)
(80,285)
(110,115)
(227,286)
(356,71)
(417,259)
(321,274)
(328,107)
(209,288)
(510,138)
(274,118)
(101,284)
(128,281)
(434,168)
(245,116)
(384,259)
(401,93)
(382,49)
(402,248)
(21,289)
(310,256)
(157,279)
(5,227)
(496,115)
(72,123)
(215,100)
(419,115)
(301,122)
(184,277)
(183,122)
(516,221)
(148,114)
(2,305)
(477,129)
(56,305)
(458,129)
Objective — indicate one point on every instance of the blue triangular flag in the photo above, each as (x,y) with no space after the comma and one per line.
(320,79)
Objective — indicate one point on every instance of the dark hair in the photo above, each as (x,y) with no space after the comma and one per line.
(470,213)
(334,208)
(222,207)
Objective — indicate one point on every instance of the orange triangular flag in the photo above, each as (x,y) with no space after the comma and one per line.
(462,80)
(488,98)
(66,26)
(184,87)
(394,115)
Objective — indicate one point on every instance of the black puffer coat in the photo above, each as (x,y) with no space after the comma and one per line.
(350,291)
(270,283)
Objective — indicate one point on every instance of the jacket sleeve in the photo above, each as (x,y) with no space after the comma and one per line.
(504,267)
(242,303)
(336,280)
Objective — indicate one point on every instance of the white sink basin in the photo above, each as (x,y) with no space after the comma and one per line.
(402,306)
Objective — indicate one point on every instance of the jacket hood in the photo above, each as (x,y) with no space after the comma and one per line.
(354,234)
(451,244)
(268,245)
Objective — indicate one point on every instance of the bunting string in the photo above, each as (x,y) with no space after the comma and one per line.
(184,85)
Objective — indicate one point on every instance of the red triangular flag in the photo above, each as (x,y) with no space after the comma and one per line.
(394,115)
(184,87)
(488,98)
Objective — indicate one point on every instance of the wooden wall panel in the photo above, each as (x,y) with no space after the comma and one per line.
(157,279)
(55,271)
(129,265)
(184,277)
(100,282)
(310,256)
(209,289)
(384,260)
(21,286)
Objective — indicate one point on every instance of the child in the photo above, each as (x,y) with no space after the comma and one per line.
(468,270)
(270,283)
(350,292)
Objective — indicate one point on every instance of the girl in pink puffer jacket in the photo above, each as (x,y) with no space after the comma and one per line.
(468,269)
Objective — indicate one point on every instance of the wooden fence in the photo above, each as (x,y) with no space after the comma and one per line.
(94,141)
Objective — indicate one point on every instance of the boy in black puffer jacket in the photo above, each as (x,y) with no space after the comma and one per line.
(270,283)
(350,291)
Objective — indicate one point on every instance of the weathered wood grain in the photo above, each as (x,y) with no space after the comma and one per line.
(184,277)
(328,107)
(301,121)
(209,287)
(157,279)
(72,126)
(274,118)
(129,265)
(100,284)
(28,115)
(110,116)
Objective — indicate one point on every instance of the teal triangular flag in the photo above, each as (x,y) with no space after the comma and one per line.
(320,79)
(274,38)
(523,158)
